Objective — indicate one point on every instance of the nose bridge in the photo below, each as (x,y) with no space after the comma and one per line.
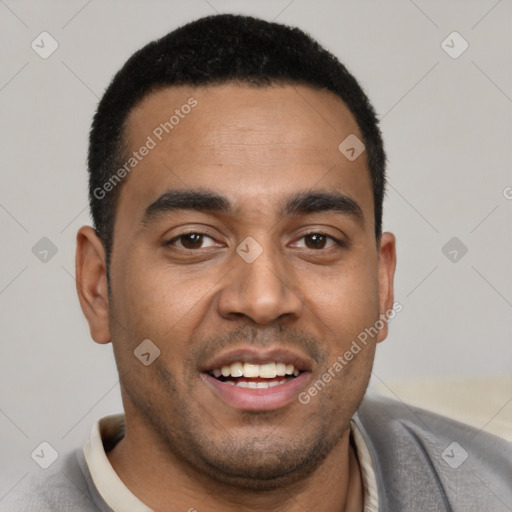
(262,285)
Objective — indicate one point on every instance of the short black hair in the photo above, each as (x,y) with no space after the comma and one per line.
(215,50)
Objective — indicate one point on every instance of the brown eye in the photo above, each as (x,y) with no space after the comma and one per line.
(192,241)
(315,241)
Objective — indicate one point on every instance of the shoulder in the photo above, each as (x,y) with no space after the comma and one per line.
(62,487)
(418,452)
(396,418)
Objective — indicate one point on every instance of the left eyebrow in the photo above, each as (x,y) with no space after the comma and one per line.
(313,202)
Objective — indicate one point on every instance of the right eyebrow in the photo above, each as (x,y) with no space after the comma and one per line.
(195,199)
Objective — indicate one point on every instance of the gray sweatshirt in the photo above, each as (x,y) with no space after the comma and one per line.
(423,462)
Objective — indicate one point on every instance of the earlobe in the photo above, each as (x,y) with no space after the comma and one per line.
(387,265)
(91,283)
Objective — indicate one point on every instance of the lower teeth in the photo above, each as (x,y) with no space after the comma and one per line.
(256,385)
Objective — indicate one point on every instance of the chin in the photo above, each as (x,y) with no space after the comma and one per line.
(263,465)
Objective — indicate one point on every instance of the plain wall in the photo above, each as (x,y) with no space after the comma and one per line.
(447,126)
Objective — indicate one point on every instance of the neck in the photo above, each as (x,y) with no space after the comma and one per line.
(165,483)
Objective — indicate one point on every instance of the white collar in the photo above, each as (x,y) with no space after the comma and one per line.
(111,488)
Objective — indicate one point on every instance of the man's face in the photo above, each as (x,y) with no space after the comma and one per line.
(282,267)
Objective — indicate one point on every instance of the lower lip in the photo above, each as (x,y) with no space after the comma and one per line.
(257,399)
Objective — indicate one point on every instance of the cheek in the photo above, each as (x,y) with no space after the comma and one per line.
(346,300)
(155,301)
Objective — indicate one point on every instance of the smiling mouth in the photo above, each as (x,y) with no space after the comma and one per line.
(255,376)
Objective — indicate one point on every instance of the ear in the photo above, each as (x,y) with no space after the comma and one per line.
(387,265)
(91,283)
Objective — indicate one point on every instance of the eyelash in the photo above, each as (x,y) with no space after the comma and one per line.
(311,233)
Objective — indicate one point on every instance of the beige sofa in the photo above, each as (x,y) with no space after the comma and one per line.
(484,403)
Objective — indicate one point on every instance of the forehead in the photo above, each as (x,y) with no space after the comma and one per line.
(243,114)
(248,142)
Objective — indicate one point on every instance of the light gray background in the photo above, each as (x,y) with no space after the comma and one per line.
(447,127)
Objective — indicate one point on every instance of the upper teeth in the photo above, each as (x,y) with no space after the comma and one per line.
(249,370)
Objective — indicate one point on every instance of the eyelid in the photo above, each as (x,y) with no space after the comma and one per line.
(188,228)
(196,232)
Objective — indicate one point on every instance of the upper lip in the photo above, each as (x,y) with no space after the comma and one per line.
(256,355)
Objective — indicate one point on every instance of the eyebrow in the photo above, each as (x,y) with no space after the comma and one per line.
(209,201)
(196,199)
(313,202)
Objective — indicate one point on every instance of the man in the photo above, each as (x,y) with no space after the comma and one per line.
(239,268)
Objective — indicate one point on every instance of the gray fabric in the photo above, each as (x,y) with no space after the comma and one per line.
(406,445)
(66,486)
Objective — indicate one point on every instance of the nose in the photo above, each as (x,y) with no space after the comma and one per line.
(264,290)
